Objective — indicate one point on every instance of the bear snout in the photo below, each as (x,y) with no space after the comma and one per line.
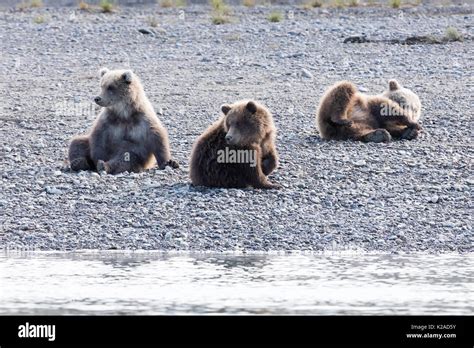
(228,138)
(97,100)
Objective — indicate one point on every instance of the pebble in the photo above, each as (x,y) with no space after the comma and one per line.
(53,190)
(306,73)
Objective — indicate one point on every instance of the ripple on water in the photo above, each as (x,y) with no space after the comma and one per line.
(158,283)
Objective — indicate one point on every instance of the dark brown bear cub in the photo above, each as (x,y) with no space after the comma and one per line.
(127,135)
(238,150)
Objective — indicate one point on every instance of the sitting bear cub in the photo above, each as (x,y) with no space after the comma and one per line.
(127,135)
(238,150)
(346,114)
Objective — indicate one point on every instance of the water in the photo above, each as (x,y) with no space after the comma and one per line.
(158,283)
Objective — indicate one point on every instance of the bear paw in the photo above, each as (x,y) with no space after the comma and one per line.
(410,134)
(79,164)
(102,167)
(379,136)
(173,164)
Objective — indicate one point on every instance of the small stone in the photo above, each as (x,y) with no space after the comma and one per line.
(433,199)
(53,190)
(145,31)
(306,73)
(360,163)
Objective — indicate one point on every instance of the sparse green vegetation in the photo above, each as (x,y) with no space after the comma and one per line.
(172,3)
(23,5)
(353,3)
(221,12)
(339,3)
(219,18)
(83,6)
(452,34)
(249,3)
(166,3)
(275,17)
(39,19)
(218,5)
(36,3)
(106,6)
(395,3)
(152,21)
(313,4)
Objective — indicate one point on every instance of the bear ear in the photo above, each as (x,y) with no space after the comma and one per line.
(127,77)
(251,107)
(103,71)
(225,108)
(393,85)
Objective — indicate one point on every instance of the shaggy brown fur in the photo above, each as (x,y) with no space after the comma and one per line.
(127,135)
(245,125)
(346,114)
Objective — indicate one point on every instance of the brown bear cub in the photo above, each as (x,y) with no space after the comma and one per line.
(238,150)
(127,135)
(346,114)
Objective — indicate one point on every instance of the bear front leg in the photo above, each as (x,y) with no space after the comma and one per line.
(377,136)
(79,154)
(257,178)
(269,163)
(341,97)
(161,150)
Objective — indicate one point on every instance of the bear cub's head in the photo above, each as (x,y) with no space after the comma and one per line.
(246,122)
(404,97)
(117,87)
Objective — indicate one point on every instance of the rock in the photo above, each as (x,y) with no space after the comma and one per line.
(145,31)
(360,163)
(306,73)
(53,190)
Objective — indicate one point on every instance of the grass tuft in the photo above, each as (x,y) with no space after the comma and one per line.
(152,21)
(83,6)
(220,12)
(249,3)
(39,19)
(452,34)
(395,3)
(275,17)
(219,18)
(166,3)
(36,3)
(106,6)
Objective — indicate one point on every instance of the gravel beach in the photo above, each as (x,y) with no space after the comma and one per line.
(404,196)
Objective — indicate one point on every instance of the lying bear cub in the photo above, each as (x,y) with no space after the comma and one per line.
(127,135)
(346,114)
(238,150)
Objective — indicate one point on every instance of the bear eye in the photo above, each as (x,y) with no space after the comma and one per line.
(111,88)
